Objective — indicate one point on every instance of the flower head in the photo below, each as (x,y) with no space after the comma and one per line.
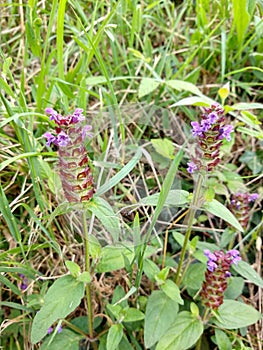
(240,205)
(210,132)
(215,284)
(76,177)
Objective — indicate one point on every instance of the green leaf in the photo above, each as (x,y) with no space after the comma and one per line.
(73,268)
(244,105)
(194,101)
(84,277)
(181,85)
(114,336)
(247,271)
(222,340)
(99,79)
(62,298)
(218,209)
(65,340)
(150,269)
(164,147)
(241,19)
(172,291)
(182,334)
(233,314)
(112,258)
(234,288)
(133,315)
(194,276)
(104,212)
(147,86)
(161,311)
(174,198)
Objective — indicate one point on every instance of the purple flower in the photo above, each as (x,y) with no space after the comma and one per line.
(211,265)
(234,254)
(62,139)
(50,138)
(192,167)
(206,125)
(212,117)
(24,283)
(225,132)
(197,129)
(85,131)
(253,197)
(50,330)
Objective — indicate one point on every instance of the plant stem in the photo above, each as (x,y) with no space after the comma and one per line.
(192,211)
(87,268)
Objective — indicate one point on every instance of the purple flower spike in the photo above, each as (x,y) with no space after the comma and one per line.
(209,132)
(50,330)
(240,205)
(216,276)
(75,174)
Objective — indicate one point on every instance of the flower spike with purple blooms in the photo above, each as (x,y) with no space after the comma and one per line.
(240,205)
(217,273)
(75,173)
(210,132)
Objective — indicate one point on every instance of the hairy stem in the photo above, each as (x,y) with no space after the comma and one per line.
(192,211)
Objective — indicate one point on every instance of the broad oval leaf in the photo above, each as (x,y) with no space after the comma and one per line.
(147,86)
(222,340)
(182,334)
(234,314)
(247,271)
(112,258)
(65,340)
(218,209)
(61,299)
(161,311)
(172,291)
(114,336)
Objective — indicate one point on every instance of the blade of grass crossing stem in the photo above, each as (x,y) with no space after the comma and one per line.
(112,100)
(121,174)
(59,44)
(167,184)
(10,220)
(45,65)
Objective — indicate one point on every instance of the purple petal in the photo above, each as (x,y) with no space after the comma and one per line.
(191,167)
(225,132)
(50,138)
(253,197)
(85,132)
(197,130)
(62,139)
